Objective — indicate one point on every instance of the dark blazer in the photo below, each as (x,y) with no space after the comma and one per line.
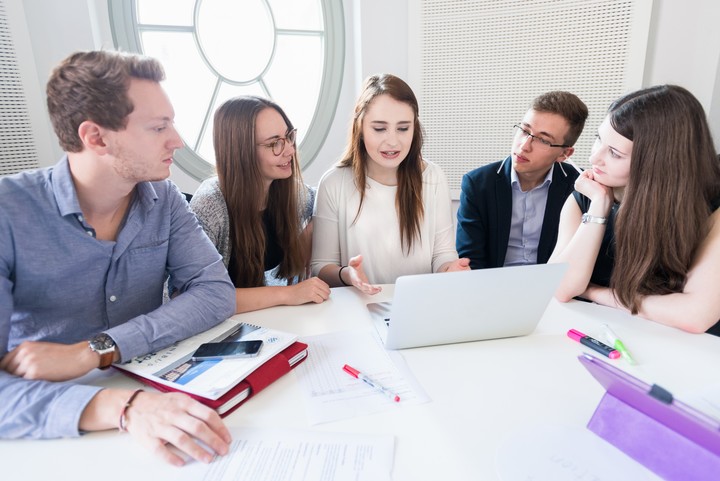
(483,227)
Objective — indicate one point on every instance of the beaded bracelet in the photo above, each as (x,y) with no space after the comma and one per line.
(122,425)
(340,276)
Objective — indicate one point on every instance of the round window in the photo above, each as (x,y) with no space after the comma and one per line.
(291,51)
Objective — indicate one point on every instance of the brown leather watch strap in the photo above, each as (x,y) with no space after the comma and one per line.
(106,359)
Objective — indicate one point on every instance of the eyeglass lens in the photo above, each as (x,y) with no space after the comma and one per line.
(278,147)
(525,134)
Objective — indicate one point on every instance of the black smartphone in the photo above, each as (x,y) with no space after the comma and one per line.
(227,350)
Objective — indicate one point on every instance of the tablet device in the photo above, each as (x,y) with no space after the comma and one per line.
(646,422)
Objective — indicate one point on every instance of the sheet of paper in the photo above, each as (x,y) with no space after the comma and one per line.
(705,400)
(565,453)
(292,455)
(333,394)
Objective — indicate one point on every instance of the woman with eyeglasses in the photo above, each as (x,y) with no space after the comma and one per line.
(642,231)
(257,211)
(383,211)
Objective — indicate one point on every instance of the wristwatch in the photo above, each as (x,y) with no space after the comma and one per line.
(105,346)
(593,219)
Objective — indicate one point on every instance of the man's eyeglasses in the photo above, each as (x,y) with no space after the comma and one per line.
(278,145)
(524,134)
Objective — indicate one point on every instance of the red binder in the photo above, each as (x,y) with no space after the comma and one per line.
(276,367)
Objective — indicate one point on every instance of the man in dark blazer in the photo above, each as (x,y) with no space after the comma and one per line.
(509,210)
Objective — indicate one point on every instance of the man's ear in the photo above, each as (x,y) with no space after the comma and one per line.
(567,152)
(92,136)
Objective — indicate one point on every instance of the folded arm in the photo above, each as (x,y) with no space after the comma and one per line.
(578,244)
(697,307)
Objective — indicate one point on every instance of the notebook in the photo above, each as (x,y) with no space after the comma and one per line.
(451,307)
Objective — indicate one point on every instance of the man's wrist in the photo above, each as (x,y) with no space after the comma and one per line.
(104,346)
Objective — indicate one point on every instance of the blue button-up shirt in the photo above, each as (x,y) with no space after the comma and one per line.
(59,283)
(528,213)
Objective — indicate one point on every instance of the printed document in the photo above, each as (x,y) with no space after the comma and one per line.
(292,455)
(332,394)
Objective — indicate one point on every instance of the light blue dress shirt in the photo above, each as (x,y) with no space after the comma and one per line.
(528,213)
(59,283)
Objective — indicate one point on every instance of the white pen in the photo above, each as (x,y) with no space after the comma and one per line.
(357,374)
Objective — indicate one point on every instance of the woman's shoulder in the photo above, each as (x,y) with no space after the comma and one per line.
(306,201)
(432,170)
(336,176)
(433,173)
(209,188)
(208,199)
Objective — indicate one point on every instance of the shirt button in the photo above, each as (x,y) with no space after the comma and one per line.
(113,298)
(80,218)
(89,232)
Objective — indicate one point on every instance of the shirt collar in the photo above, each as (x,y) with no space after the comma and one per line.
(66,195)
(64,188)
(515,180)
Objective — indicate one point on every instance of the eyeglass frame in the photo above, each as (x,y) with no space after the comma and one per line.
(540,139)
(281,141)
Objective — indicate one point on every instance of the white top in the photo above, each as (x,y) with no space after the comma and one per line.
(337,236)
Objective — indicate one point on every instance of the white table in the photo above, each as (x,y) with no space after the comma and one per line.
(480,392)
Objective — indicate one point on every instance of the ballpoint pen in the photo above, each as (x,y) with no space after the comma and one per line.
(357,374)
(618,344)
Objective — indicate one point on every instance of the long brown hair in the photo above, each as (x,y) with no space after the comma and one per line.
(674,176)
(241,183)
(408,199)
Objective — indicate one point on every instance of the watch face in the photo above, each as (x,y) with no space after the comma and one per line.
(102,342)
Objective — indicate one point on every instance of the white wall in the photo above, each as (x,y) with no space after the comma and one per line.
(684,48)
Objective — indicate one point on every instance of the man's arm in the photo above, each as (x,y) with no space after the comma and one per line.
(206,295)
(471,228)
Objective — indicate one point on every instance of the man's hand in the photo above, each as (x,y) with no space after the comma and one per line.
(161,422)
(50,361)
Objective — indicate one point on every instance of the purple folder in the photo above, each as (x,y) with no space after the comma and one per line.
(668,437)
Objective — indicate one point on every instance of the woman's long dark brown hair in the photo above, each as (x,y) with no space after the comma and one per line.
(408,200)
(241,183)
(674,176)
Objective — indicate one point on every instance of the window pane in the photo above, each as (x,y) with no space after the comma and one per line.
(225,48)
(297,14)
(165,12)
(189,83)
(299,58)
(236,37)
(226,92)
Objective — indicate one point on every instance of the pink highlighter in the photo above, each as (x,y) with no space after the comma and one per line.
(593,344)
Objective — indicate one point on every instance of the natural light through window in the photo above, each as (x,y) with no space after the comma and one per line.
(213,50)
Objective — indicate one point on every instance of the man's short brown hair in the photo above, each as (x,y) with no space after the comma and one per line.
(566,105)
(93,86)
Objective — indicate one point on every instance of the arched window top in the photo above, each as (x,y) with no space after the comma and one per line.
(291,51)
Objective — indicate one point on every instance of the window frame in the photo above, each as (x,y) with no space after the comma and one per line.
(126,36)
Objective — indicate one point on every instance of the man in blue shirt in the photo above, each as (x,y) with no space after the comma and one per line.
(85,247)
(509,211)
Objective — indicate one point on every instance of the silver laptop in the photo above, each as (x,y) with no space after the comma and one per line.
(430,309)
